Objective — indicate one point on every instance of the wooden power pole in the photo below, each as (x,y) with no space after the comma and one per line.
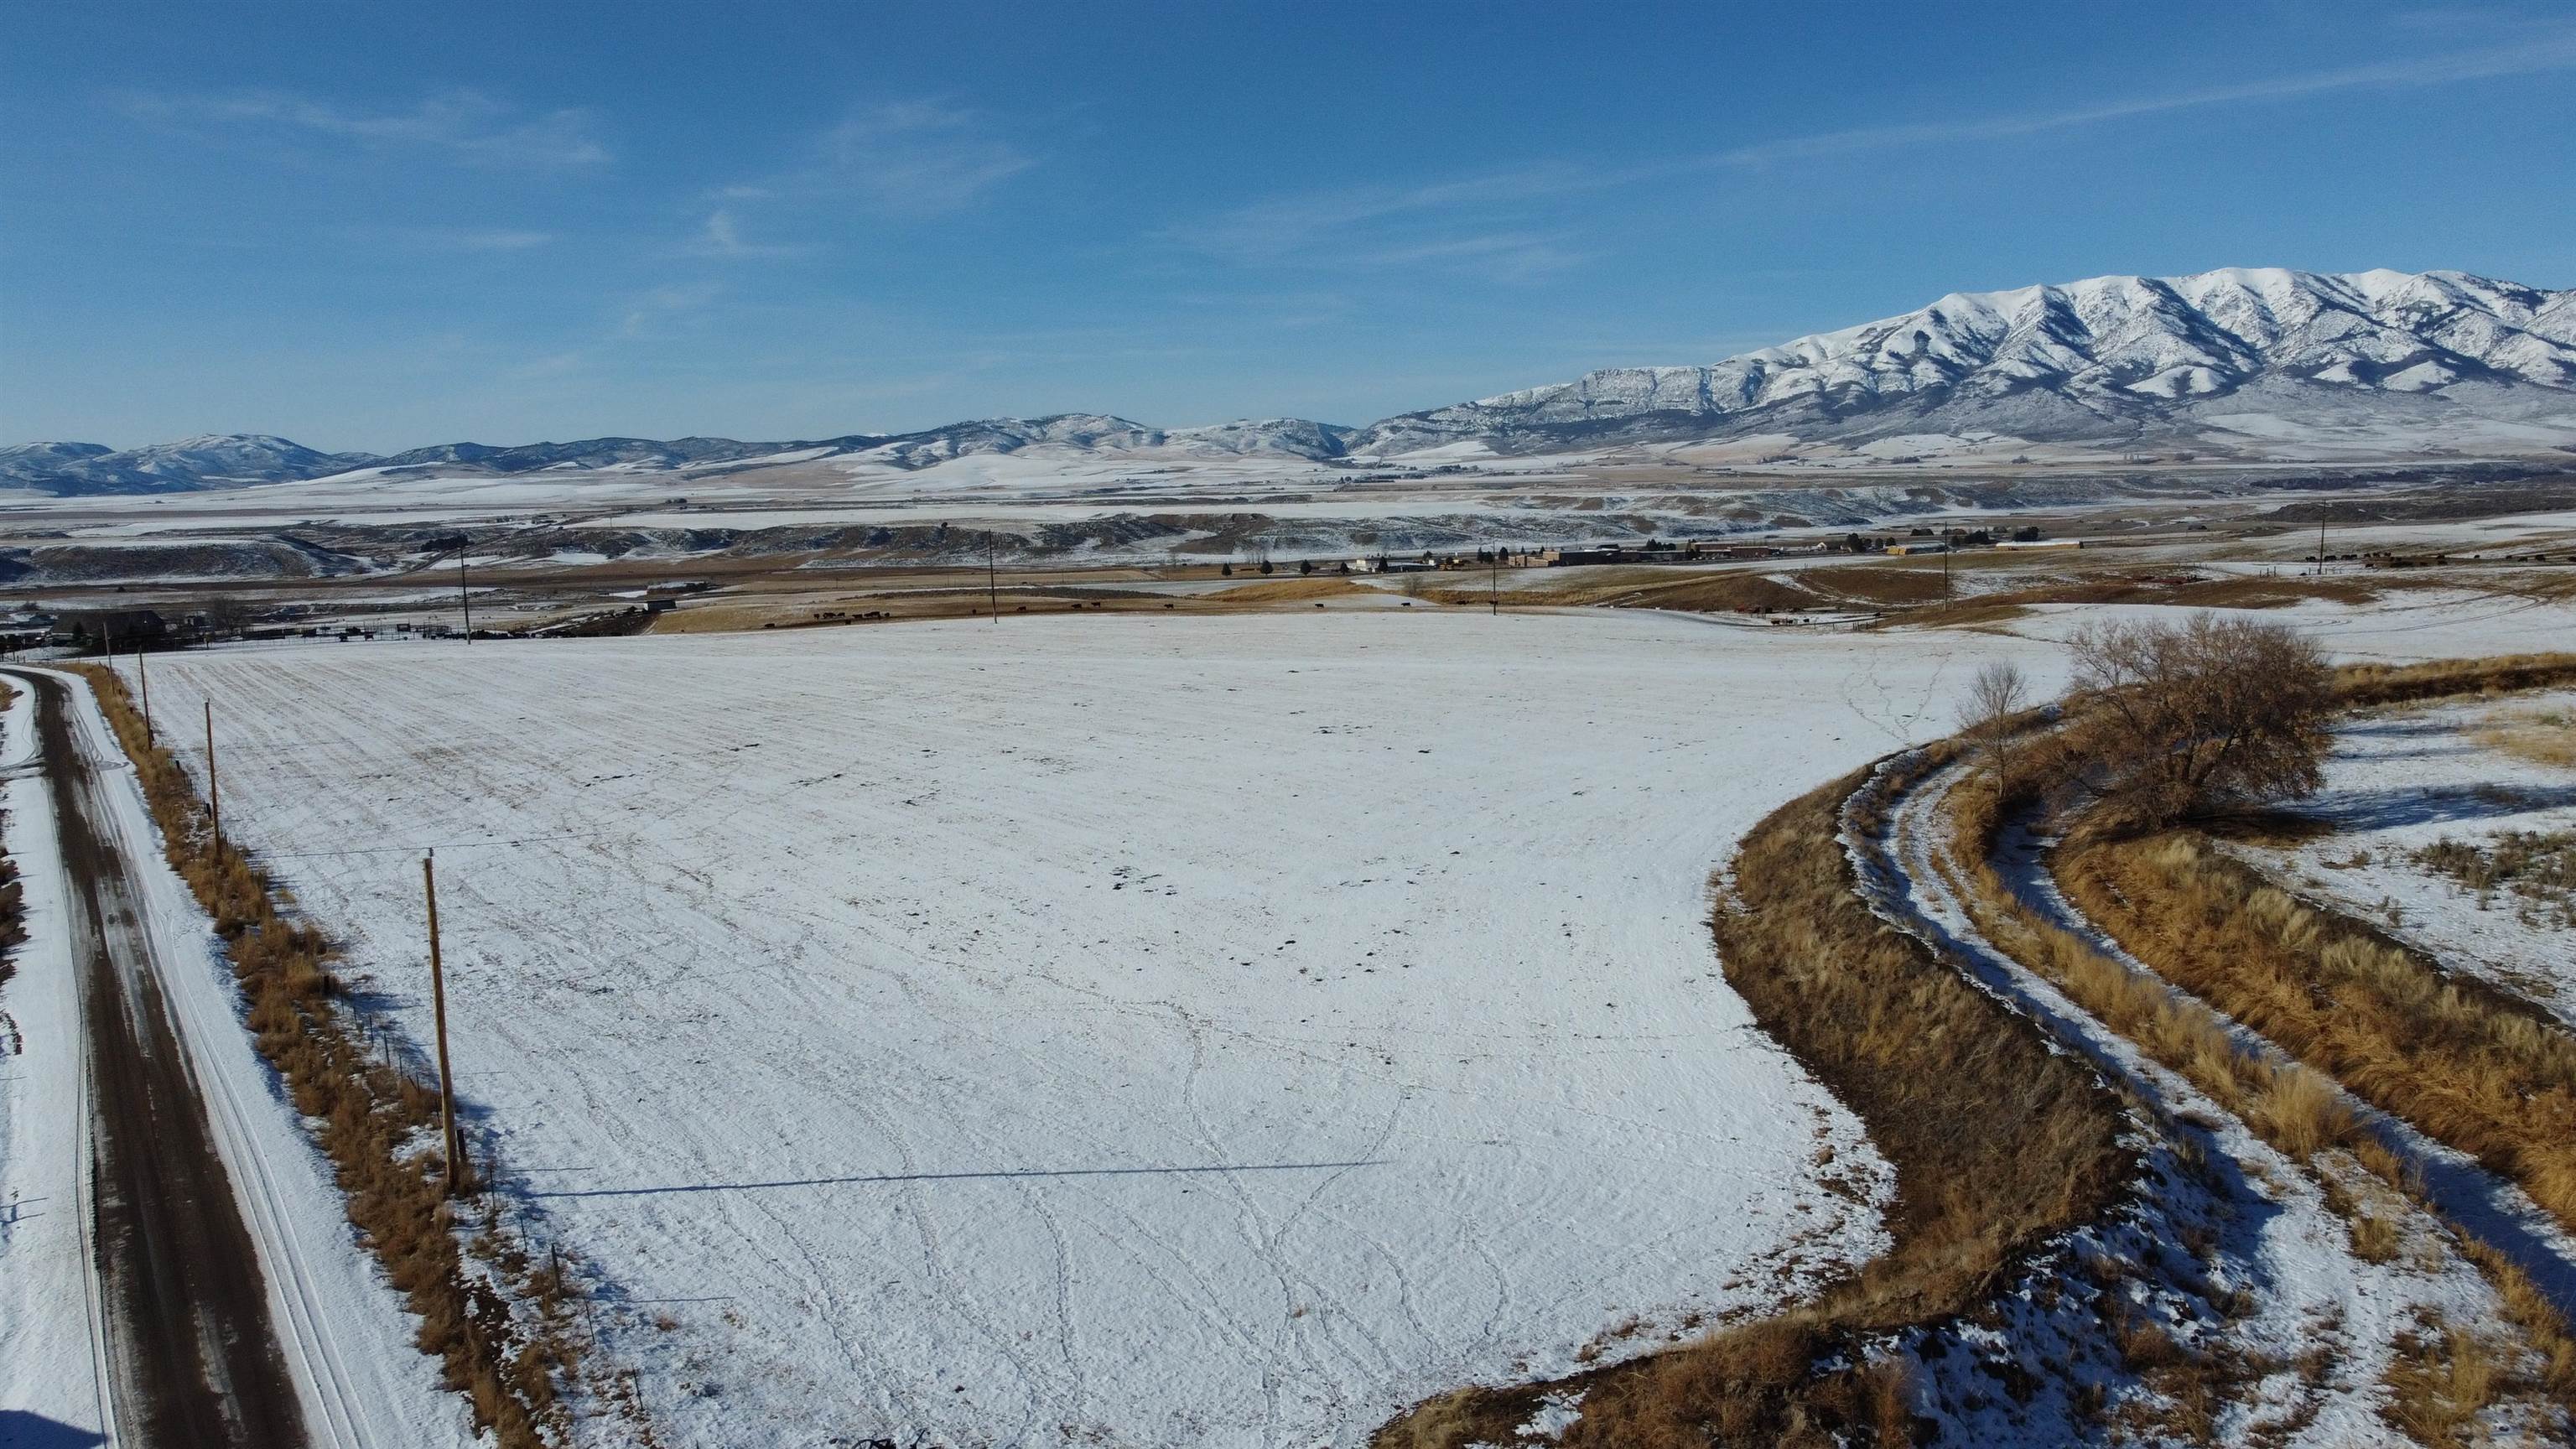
(992,579)
(144,672)
(449,1144)
(214,791)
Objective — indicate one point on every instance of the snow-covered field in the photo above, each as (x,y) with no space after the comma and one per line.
(2400,780)
(2404,629)
(1209,1031)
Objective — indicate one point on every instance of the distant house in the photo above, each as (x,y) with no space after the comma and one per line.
(1592,554)
(119,629)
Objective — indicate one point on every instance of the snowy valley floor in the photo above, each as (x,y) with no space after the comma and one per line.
(1145,1031)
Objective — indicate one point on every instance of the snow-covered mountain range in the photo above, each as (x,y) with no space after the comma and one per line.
(2411,364)
(2106,358)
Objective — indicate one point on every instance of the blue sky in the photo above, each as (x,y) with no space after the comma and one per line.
(376,227)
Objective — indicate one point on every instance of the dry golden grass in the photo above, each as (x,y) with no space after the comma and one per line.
(1999,1146)
(2359,685)
(2542,736)
(365,1111)
(2464,1063)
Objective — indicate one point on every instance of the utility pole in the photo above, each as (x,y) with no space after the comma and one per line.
(1494,582)
(464,600)
(144,671)
(449,1145)
(992,582)
(2321,543)
(214,791)
(1947,537)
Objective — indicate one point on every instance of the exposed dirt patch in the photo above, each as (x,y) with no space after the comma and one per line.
(1297,590)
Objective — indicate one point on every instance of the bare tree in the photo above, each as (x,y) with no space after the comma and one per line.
(2183,719)
(227,616)
(1995,695)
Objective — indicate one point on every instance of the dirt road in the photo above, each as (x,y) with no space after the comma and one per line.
(193,1359)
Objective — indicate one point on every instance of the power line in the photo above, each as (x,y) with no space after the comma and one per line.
(443,845)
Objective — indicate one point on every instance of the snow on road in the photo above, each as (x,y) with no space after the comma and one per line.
(53,1385)
(1207,1031)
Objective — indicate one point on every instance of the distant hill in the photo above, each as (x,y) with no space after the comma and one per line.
(212,460)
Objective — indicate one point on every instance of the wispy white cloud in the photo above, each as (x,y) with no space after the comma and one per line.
(463,124)
(904,161)
(647,312)
(721,236)
(916,158)
(1504,256)
(557,364)
(2553,50)
(454,239)
(1469,220)
(1279,228)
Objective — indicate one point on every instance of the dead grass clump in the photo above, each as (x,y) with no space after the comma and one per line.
(361,1110)
(1999,1146)
(2536,867)
(2440,1381)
